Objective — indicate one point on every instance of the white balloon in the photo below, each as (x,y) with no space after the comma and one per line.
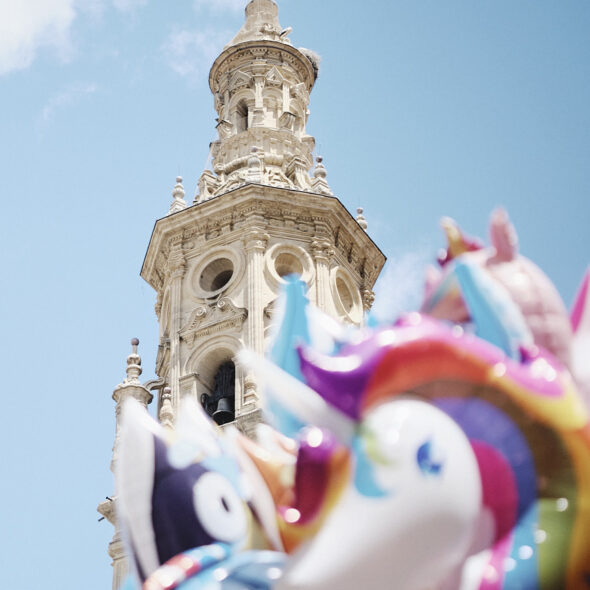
(219,508)
(419,533)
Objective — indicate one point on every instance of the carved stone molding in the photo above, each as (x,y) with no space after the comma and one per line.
(163,358)
(270,309)
(322,249)
(222,316)
(158,304)
(256,240)
(275,53)
(176,261)
(368,299)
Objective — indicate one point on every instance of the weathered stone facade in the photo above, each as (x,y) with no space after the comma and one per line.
(262,213)
(218,267)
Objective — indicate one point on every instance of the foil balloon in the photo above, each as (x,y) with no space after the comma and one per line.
(470,466)
(581,344)
(191,505)
(522,289)
(408,464)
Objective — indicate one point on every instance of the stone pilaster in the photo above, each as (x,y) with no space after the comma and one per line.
(120,565)
(176,268)
(255,242)
(322,252)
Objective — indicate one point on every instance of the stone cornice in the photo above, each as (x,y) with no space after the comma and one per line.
(284,210)
(107,510)
(237,56)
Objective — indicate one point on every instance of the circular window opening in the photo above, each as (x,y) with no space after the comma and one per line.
(216,274)
(345,294)
(288,264)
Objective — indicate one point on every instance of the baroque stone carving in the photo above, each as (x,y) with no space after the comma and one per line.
(221,316)
(322,249)
(368,299)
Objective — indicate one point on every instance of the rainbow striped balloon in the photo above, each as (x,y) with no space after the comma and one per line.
(527,425)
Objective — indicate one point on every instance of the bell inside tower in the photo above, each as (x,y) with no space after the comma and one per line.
(221,405)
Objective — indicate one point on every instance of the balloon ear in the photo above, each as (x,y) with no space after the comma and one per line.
(134,482)
(503,235)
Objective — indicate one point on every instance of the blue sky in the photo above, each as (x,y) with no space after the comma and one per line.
(422,109)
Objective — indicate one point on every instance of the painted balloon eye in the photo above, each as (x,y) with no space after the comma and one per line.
(220,510)
(430,458)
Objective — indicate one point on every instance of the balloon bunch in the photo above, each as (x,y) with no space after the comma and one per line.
(449,450)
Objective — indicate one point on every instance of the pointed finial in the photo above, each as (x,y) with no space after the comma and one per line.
(262,22)
(178,203)
(134,369)
(320,170)
(360,219)
(319,184)
(167,411)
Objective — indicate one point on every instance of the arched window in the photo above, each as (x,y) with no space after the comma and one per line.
(242,116)
(221,405)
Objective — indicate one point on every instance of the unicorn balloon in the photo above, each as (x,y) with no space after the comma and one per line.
(470,468)
(526,290)
(510,300)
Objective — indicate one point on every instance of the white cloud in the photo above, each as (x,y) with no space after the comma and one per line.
(191,53)
(28,25)
(67,97)
(128,5)
(220,5)
(94,8)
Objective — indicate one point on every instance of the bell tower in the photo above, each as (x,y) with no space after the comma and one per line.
(217,265)
(263,212)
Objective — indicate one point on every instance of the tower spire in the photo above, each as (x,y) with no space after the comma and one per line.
(261,85)
(262,23)
(131,387)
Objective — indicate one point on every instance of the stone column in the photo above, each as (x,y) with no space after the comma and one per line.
(176,268)
(322,252)
(116,548)
(255,242)
(286,98)
(120,566)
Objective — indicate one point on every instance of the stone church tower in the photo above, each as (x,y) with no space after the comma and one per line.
(217,266)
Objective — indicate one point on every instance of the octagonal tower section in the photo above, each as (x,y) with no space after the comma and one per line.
(260,214)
